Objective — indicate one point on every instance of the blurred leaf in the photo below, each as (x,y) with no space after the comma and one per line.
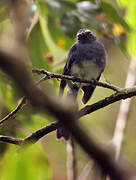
(87,7)
(42,6)
(61,43)
(131,14)
(5,27)
(57,52)
(87,13)
(27,163)
(121,41)
(131,43)
(59,32)
(33,121)
(112,13)
(118,29)
(123,3)
(131,19)
(8,92)
(4,10)
(70,24)
(37,48)
(60,6)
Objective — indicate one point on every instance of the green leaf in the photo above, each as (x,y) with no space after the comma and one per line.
(131,14)
(57,52)
(112,14)
(32,121)
(37,48)
(59,34)
(26,163)
(131,44)
(123,3)
(60,6)
(131,19)
(8,92)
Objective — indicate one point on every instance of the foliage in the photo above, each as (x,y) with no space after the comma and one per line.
(25,164)
(48,41)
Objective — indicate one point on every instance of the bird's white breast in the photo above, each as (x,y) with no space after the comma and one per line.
(87,70)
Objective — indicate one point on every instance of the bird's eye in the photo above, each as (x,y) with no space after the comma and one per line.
(79,35)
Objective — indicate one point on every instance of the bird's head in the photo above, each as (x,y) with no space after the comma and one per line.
(85,35)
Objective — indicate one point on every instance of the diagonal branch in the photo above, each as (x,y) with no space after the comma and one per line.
(31,139)
(21,104)
(130,92)
(12,113)
(126,93)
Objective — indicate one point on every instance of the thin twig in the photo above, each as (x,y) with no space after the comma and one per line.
(12,113)
(31,139)
(76,79)
(20,105)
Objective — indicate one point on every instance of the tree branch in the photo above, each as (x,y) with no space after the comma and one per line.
(76,79)
(17,70)
(12,113)
(124,94)
(84,111)
(31,139)
(87,109)
(127,93)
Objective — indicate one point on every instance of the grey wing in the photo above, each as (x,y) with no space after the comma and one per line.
(99,53)
(71,58)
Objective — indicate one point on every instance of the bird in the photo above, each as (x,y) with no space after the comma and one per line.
(86,60)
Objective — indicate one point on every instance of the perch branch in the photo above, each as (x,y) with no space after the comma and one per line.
(87,109)
(76,79)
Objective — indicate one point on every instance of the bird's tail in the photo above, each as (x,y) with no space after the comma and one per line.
(88,91)
(72,94)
